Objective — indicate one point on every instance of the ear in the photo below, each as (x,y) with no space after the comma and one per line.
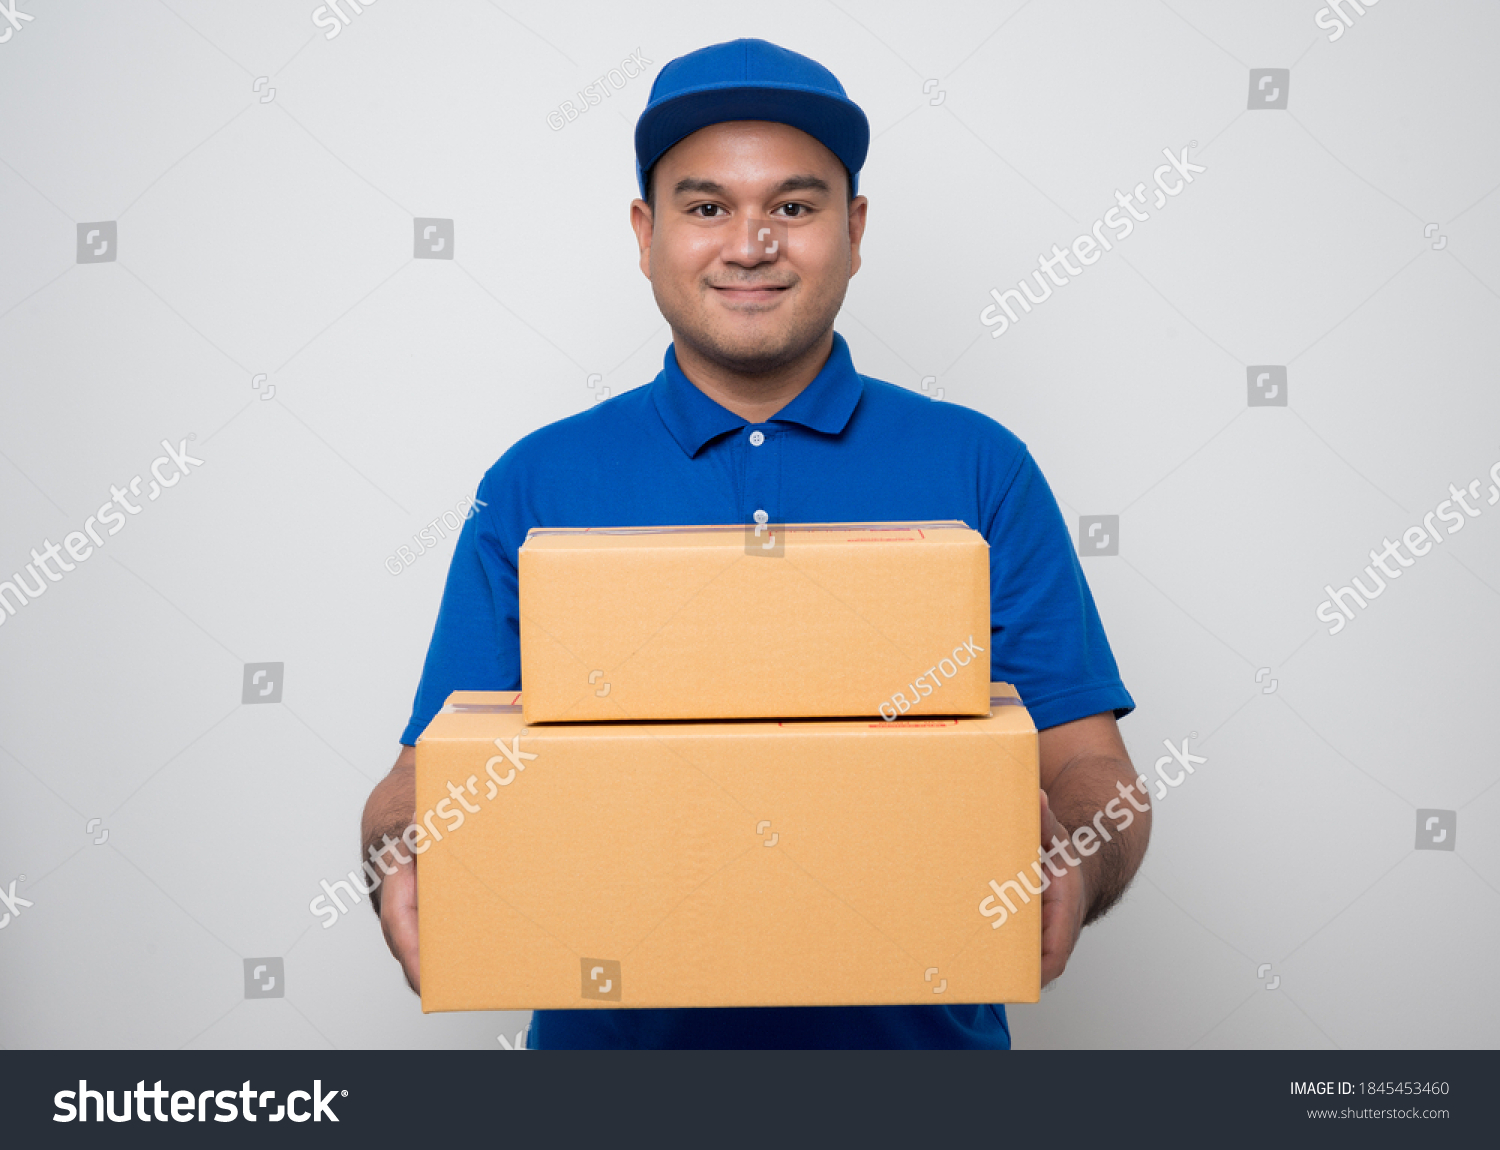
(643,226)
(858,210)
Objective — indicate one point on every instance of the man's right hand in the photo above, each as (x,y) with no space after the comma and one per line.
(389,811)
(398,919)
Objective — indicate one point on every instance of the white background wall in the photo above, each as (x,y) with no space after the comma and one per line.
(273,234)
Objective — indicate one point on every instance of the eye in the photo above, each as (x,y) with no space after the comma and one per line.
(713,210)
(794,211)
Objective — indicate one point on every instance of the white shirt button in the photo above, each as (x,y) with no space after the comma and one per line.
(757,438)
(761,517)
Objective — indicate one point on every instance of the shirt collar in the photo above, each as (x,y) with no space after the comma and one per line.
(693,418)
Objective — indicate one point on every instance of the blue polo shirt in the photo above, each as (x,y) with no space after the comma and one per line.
(848,448)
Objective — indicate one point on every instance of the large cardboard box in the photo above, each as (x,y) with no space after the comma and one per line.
(796,863)
(829,619)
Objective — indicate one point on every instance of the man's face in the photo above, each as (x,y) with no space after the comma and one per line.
(752,243)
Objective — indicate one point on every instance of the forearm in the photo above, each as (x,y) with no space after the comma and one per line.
(1095,791)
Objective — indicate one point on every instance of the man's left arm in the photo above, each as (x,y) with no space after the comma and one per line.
(1084,769)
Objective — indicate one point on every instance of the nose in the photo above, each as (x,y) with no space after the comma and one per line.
(759,240)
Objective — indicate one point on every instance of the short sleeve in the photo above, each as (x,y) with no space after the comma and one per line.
(1045,632)
(476,643)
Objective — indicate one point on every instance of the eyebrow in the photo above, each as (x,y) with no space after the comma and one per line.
(804,183)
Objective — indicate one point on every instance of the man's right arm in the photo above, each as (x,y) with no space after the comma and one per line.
(388,812)
(476,646)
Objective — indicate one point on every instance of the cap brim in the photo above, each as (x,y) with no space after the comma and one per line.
(838,124)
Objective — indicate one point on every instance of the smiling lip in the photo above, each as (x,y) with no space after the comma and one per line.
(753,293)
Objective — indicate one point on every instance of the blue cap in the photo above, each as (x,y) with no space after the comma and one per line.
(749,80)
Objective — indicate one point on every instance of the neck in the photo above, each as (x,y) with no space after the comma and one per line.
(754,396)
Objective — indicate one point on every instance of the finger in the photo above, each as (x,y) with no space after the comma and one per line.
(1053,832)
(398,921)
(1060,924)
(1051,825)
(1056,942)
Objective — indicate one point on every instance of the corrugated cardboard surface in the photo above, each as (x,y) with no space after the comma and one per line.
(802,863)
(725,622)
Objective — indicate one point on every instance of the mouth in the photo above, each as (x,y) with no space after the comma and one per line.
(749,293)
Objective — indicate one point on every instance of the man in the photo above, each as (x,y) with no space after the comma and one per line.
(749,229)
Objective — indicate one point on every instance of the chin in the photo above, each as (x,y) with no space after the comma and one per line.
(752,353)
(747,342)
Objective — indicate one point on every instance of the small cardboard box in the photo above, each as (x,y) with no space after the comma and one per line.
(774,621)
(798,863)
